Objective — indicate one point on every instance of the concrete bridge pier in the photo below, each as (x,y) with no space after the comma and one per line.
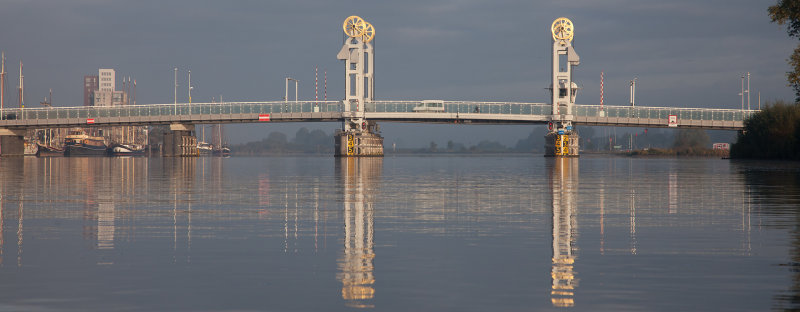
(359,140)
(180,141)
(561,141)
(12,142)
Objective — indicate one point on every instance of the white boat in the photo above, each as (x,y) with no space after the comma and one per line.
(204,148)
(31,149)
(127,150)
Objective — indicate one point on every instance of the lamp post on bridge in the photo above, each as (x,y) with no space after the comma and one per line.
(742,93)
(286,90)
(748,91)
(190,87)
(175,97)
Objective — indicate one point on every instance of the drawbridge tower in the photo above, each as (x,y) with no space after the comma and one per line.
(358,136)
(562,139)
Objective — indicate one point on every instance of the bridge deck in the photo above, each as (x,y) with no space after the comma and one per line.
(388,111)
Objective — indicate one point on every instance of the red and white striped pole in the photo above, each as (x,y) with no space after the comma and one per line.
(316,94)
(601,90)
(326,85)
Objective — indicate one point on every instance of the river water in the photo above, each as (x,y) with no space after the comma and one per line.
(506,233)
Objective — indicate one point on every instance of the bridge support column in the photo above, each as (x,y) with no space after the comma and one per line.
(12,142)
(358,143)
(359,136)
(180,141)
(562,140)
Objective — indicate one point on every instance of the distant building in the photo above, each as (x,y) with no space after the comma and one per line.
(722,146)
(109,98)
(89,86)
(107,79)
(104,92)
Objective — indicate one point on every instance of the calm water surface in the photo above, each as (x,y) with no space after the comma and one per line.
(398,234)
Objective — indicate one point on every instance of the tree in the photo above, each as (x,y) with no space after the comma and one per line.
(788,12)
(690,141)
(774,133)
(534,141)
(276,141)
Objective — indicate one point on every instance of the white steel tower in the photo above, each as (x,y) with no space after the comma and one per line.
(358,136)
(562,139)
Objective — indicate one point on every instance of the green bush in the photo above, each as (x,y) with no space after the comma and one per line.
(772,133)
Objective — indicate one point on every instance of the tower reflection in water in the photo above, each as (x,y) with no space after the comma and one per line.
(360,177)
(564,185)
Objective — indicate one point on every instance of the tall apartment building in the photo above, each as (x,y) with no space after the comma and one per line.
(107,79)
(89,86)
(105,93)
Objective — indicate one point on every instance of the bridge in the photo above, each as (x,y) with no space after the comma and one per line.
(383,111)
(359,112)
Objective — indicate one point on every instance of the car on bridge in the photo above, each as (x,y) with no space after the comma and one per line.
(430,106)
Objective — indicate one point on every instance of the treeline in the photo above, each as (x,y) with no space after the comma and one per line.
(772,133)
(532,144)
(483,147)
(680,143)
(276,143)
(686,142)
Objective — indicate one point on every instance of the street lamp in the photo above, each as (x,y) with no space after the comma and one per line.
(742,93)
(286,90)
(748,90)
(190,87)
(175,96)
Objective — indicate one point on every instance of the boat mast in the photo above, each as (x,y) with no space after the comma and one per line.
(3,80)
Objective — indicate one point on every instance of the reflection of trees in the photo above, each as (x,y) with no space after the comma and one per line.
(564,185)
(779,193)
(359,176)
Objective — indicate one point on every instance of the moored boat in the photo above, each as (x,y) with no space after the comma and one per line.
(30,149)
(49,151)
(78,143)
(126,150)
(224,152)
(204,148)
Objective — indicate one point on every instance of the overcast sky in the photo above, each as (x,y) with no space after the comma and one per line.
(684,53)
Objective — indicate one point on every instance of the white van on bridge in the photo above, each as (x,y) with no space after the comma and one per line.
(430,106)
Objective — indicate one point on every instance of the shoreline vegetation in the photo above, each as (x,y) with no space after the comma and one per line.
(772,133)
(685,143)
(659,152)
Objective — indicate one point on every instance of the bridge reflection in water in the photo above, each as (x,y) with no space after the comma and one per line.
(360,177)
(564,185)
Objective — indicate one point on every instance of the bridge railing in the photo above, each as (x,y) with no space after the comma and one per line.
(170,110)
(518,108)
(663,112)
(463,107)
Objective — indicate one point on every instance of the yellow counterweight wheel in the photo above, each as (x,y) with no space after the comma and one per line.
(562,29)
(353,26)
